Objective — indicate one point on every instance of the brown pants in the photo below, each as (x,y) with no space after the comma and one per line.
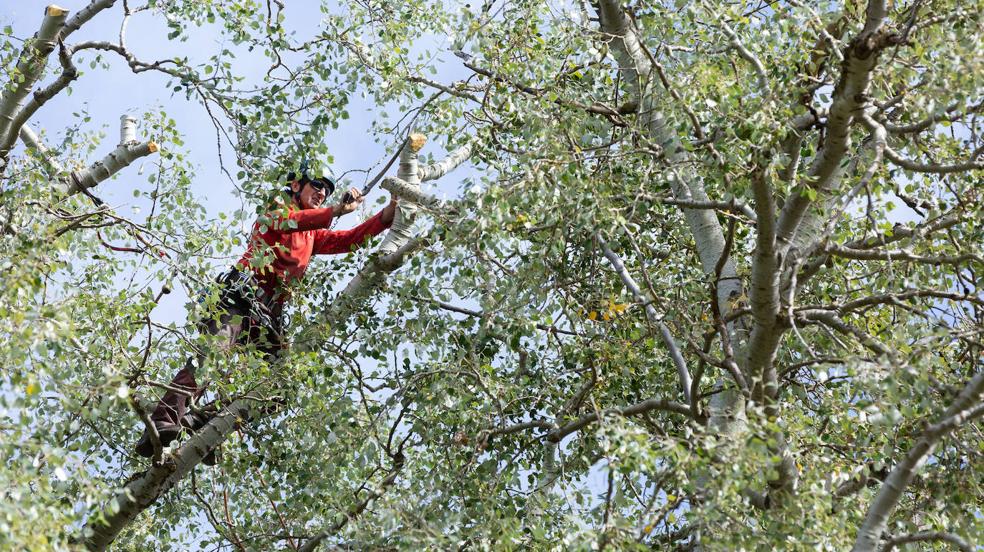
(238,323)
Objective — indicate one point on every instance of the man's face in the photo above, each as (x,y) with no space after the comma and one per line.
(310,197)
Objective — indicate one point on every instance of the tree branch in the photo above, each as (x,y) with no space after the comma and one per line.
(682,372)
(128,151)
(41,97)
(848,102)
(446,165)
(642,407)
(966,407)
(33,59)
(357,508)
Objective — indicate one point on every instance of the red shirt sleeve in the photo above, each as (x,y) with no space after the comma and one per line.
(328,242)
(304,219)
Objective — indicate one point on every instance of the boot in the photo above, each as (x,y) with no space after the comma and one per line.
(167,433)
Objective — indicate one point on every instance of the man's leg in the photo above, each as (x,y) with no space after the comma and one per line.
(171,413)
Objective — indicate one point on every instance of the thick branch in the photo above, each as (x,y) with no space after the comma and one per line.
(128,151)
(848,102)
(143,491)
(628,48)
(33,142)
(726,409)
(41,97)
(32,62)
(764,294)
(409,192)
(446,165)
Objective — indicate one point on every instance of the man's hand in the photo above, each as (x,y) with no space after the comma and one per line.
(345,208)
(389,211)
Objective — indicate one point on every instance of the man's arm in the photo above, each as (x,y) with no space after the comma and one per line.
(306,219)
(329,242)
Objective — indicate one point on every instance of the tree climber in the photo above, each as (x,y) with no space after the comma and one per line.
(252,294)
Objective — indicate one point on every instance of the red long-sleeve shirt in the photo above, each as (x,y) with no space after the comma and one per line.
(292,248)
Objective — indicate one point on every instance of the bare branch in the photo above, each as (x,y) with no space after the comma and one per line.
(898,255)
(83,16)
(448,164)
(951,114)
(128,151)
(558,435)
(830,319)
(971,164)
(682,372)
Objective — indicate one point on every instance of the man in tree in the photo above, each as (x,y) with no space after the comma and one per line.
(253,293)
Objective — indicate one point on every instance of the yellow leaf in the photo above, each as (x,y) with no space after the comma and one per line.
(648,529)
(32,389)
(606,316)
(593,315)
(670,498)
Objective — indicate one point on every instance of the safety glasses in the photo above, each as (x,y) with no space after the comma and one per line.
(324,184)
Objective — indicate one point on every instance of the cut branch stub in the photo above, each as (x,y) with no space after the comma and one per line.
(33,59)
(417,141)
(128,129)
(55,11)
(400,232)
(128,151)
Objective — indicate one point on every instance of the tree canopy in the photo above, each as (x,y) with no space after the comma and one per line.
(713,281)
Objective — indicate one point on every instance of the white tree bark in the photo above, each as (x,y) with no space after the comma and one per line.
(33,59)
(82,16)
(103,527)
(402,229)
(797,223)
(56,171)
(128,151)
(726,409)
(446,165)
(409,192)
